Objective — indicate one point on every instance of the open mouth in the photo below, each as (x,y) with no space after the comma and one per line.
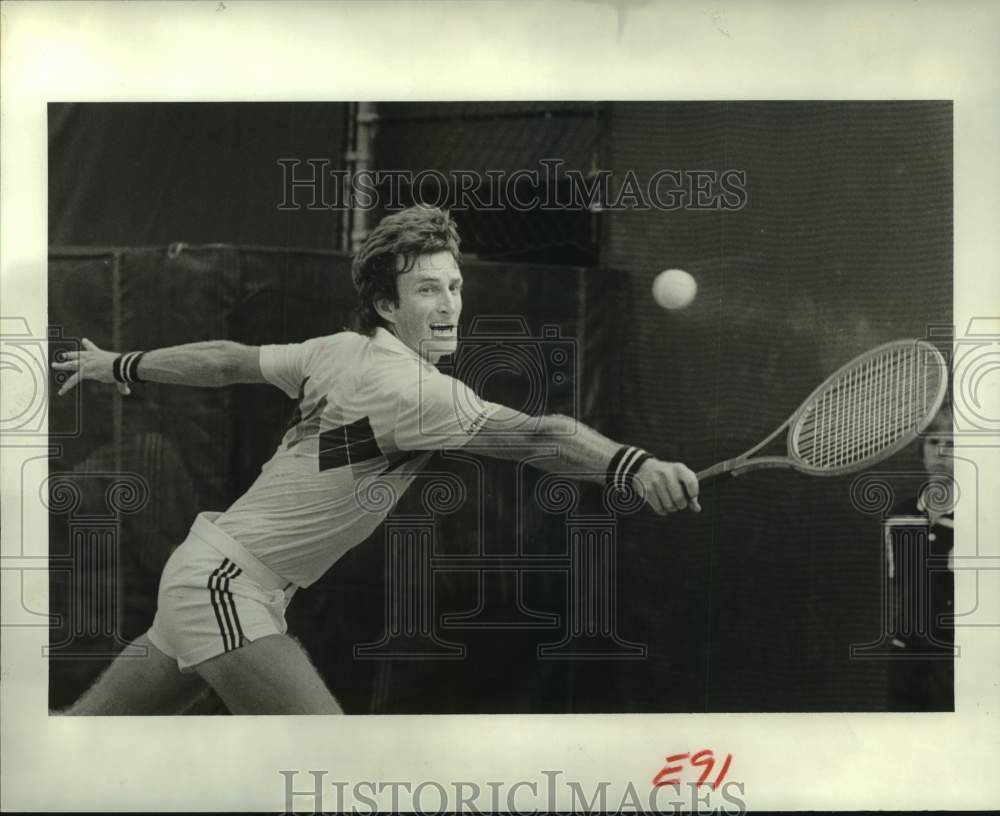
(442,329)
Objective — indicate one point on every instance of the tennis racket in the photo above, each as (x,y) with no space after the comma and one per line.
(868,410)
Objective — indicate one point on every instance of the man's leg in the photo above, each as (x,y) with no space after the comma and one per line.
(271,675)
(140,685)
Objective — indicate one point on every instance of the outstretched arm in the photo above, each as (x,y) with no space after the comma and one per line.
(564,444)
(211,364)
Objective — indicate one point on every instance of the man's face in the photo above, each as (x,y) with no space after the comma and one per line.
(430,303)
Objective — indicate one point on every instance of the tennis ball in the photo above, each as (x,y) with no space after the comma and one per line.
(674,289)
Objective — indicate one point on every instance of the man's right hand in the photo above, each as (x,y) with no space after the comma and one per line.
(92,363)
(668,486)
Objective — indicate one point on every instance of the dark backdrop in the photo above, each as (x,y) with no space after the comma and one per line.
(156,173)
(845,242)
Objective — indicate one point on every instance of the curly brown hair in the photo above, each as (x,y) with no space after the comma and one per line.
(390,250)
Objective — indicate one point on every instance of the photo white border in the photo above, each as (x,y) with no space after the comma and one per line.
(587,49)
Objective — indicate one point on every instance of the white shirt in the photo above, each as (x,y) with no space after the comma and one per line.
(371,412)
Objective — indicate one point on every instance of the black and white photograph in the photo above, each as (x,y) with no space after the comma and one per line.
(451,371)
(509,449)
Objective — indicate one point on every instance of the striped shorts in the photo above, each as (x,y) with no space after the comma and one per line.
(215,597)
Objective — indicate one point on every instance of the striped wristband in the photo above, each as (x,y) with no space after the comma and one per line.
(125,368)
(625,465)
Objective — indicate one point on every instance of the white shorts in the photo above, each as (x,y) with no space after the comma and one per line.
(215,597)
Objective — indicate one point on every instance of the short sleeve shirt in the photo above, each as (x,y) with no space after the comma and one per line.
(370,413)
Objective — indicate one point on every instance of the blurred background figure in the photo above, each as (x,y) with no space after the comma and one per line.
(921,583)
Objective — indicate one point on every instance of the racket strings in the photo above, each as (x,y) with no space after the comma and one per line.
(869,415)
(822,431)
(877,407)
(867,408)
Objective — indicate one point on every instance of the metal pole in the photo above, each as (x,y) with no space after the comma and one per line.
(360,157)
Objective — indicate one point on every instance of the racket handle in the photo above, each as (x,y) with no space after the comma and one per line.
(718,469)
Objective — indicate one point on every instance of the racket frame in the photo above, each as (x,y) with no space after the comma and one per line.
(741,464)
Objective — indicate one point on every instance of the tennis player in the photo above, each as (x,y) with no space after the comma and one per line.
(372,408)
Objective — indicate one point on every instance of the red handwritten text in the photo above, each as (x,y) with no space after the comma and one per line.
(703,760)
